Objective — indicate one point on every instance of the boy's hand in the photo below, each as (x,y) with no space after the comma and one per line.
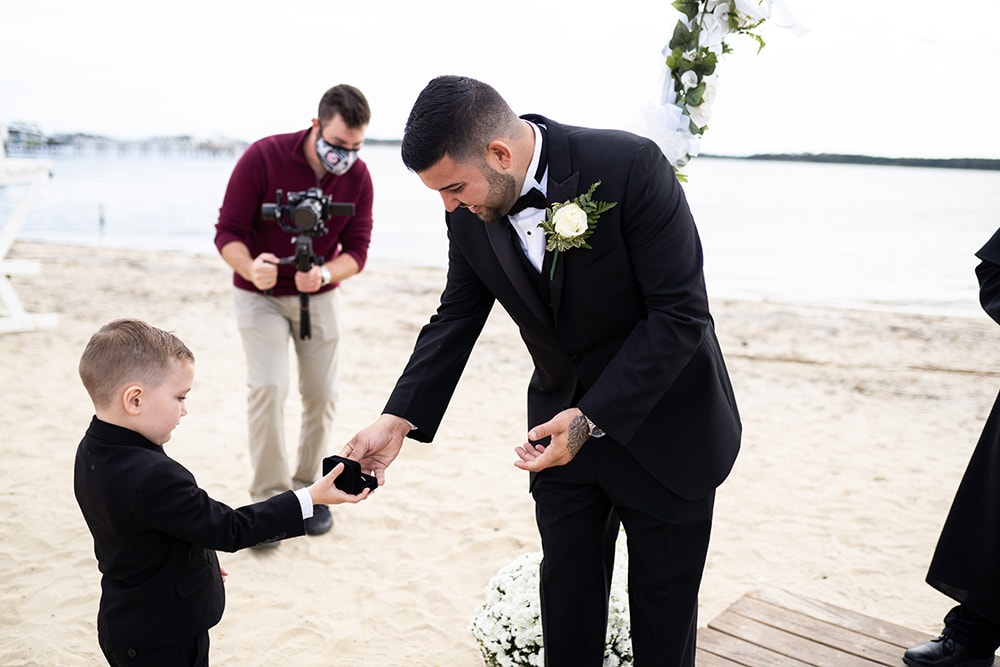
(323,491)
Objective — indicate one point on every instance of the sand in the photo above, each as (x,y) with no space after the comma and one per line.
(857,428)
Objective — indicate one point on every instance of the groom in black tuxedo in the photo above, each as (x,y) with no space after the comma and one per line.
(630,409)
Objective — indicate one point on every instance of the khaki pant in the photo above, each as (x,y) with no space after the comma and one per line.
(266,324)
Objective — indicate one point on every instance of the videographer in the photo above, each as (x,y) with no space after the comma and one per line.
(269,292)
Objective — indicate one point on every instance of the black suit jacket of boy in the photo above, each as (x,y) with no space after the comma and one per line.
(622,330)
(155,535)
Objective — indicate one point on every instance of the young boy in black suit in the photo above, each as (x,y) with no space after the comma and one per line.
(155,531)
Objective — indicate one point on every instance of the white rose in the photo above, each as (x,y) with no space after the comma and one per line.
(689,79)
(721,12)
(570,221)
(713,31)
(701,113)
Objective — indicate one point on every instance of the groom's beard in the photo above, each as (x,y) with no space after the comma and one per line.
(500,197)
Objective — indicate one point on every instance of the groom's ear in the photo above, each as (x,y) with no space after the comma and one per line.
(499,155)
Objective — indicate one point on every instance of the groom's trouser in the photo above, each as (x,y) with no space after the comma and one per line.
(577,508)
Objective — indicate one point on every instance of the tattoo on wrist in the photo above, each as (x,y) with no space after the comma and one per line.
(579,431)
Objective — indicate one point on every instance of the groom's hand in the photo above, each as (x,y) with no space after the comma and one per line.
(378,445)
(567,431)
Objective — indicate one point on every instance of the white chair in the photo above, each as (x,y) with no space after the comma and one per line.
(35,173)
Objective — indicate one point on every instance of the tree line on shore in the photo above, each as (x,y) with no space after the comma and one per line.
(838,158)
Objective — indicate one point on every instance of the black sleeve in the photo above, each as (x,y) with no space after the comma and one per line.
(988,274)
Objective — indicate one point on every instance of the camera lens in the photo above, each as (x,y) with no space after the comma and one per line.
(307,214)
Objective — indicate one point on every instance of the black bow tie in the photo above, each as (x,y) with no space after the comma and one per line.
(533,198)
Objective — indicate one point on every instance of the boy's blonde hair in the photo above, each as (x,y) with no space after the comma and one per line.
(125,351)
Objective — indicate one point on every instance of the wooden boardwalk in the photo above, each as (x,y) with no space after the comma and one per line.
(779,629)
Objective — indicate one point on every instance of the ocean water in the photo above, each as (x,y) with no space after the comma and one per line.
(877,237)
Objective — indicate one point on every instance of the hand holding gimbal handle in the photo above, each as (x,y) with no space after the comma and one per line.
(304,259)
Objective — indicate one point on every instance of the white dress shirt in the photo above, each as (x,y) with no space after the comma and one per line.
(526,222)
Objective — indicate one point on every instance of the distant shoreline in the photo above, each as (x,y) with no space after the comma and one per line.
(23,143)
(838,158)
(232,150)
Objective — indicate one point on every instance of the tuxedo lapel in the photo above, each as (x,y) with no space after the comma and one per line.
(558,193)
(499,237)
(563,185)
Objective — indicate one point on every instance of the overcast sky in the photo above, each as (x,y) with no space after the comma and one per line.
(917,79)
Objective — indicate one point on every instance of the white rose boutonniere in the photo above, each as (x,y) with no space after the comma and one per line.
(569,224)
(569,221)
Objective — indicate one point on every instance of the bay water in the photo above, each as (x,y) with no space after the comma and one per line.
(842,235)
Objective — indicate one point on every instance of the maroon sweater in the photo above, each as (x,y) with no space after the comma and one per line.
(277,162)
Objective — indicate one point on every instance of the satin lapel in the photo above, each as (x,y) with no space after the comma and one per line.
(500,240)
(558,192)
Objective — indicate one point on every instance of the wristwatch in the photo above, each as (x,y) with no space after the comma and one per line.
(595,430)
(325,272)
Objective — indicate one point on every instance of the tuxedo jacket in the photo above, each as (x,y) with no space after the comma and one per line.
(155,535)
(622,330)
(966,563)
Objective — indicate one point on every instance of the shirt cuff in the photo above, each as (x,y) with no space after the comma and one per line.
(305,502)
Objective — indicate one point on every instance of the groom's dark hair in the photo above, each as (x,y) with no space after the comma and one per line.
(454,116)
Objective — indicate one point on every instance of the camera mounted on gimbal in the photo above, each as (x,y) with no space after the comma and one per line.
(305,215)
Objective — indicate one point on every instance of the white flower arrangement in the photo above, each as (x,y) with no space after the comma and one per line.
(680,117)
(508,624)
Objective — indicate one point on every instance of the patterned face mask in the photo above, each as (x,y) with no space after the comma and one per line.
(335,159)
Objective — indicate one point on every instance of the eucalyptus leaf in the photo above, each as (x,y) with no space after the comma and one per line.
(694,95)
(689,8)
(681,37)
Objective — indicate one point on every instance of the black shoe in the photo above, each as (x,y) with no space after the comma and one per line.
(320,522)
(944,652)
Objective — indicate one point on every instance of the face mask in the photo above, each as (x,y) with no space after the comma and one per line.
(335,159)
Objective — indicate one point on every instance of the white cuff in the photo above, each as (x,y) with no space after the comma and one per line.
(305,502)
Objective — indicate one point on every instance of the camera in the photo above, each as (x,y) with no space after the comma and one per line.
(305,215)
(305,212)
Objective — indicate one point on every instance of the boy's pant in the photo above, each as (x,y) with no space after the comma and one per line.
(192,653)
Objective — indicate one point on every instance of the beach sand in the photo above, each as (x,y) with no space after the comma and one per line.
(857,428)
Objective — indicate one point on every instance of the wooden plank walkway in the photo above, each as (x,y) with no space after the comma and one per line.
(775,628)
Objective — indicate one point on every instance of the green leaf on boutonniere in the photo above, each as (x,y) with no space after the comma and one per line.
(569,224)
